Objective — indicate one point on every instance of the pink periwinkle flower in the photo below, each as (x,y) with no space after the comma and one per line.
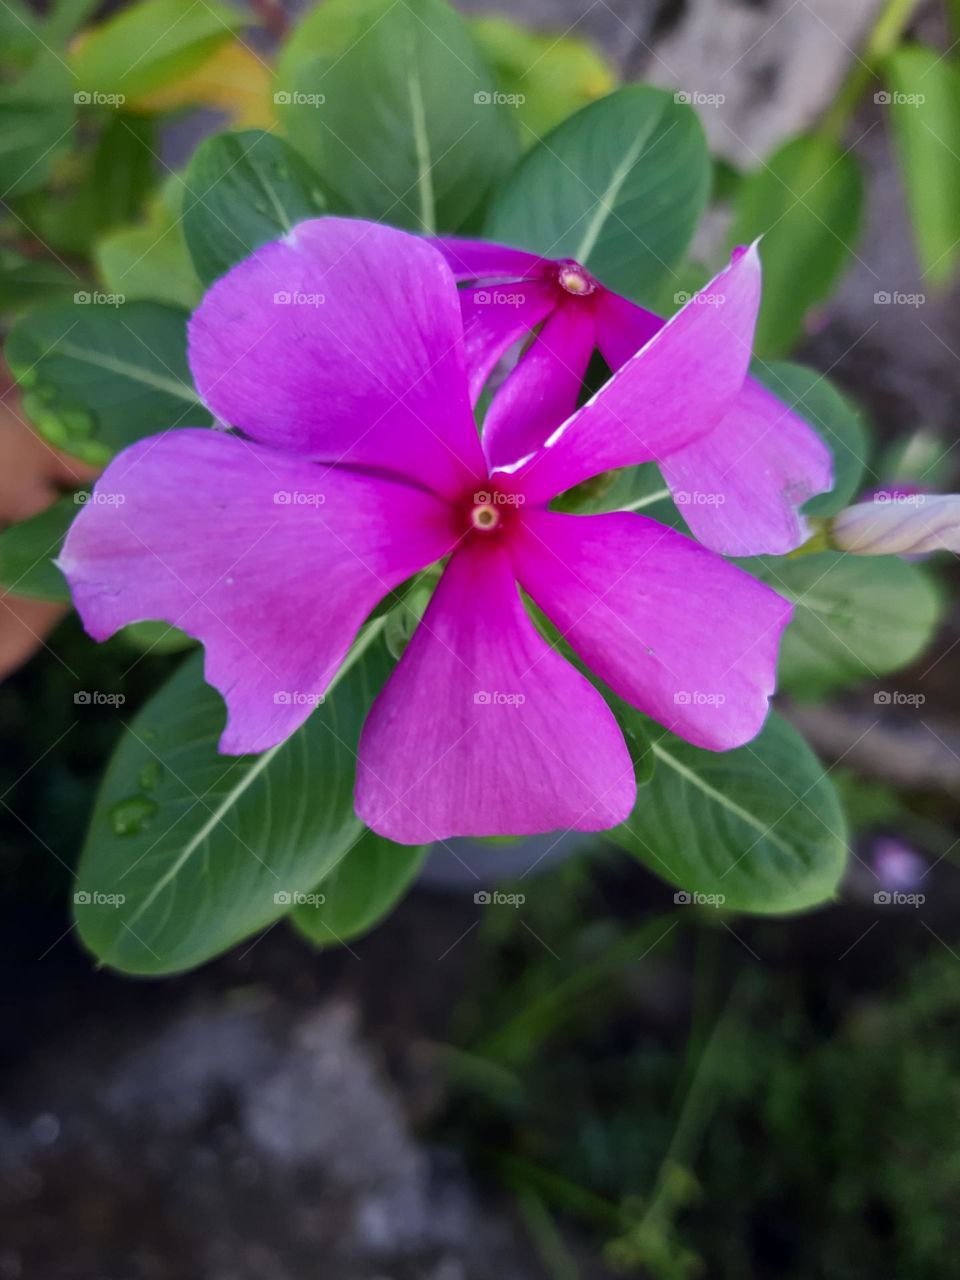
(337,356)
(740,485)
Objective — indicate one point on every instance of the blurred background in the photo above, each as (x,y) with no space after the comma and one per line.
(583,1078)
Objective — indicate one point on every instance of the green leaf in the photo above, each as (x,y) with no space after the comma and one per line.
(760,825)
(28,550)
(924,105)
(206,849)
(18,35)
(245,189)
(156,638)
(26,281)
(364,886)
(96,377)
(149,44)
(856,618)
(833,417)
(393,105)
(150,260)
(620,187)
(806,202)
(36,125)
(547,76)
(112,180)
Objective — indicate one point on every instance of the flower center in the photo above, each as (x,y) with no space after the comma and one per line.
(484,517)
(488,512)
(574,279)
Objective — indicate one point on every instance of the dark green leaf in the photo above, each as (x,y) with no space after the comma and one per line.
(97,376)
(367,882)
(244,189)
(26,281)
(393,105)
(856,618)
(206,849)
(805,201)
(28,550)
(620,187)
(156,638)
(760,825)
(36,125)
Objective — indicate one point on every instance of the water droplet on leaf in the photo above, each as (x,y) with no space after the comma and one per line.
(132,815)
(150,774)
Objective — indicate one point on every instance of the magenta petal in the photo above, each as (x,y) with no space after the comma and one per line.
(672,391)
(496,317)
(342,342)
(483,729)
(481,260)
(542,389)
(689,639)
(742,485)
(740,488)
(271,561)
(623,328)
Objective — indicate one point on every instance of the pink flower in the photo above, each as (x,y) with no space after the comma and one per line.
(740,485)
(338,353)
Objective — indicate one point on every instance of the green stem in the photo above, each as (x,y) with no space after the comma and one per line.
(881,42)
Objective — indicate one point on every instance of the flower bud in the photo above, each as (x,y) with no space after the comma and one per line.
(899,524)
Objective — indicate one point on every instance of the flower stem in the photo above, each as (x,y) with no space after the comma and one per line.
(881,42)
